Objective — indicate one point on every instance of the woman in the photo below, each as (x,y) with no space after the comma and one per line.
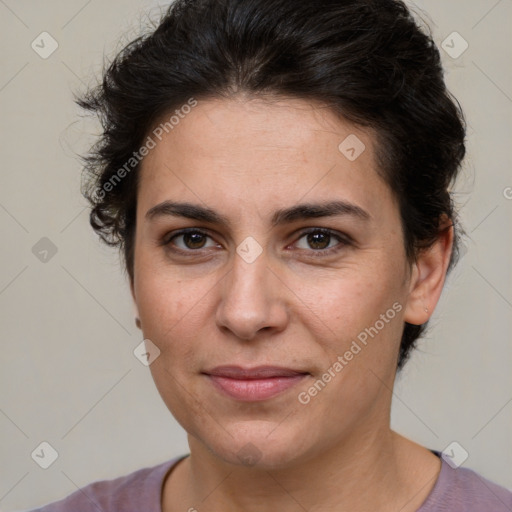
(276,173)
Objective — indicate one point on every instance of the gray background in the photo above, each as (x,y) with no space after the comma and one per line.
(68,375)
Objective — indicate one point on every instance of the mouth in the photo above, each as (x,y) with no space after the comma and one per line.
(254,384)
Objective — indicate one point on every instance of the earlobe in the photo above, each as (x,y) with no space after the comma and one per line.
(428,277)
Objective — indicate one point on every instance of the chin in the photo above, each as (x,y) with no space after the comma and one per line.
(261,445)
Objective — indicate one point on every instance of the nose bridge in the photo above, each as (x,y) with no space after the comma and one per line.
(249,301)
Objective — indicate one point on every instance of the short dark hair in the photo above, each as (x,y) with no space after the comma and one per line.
(368,60)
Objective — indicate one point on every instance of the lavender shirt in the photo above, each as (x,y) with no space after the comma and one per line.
(456,490)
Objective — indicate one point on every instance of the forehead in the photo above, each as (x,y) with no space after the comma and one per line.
(259,152)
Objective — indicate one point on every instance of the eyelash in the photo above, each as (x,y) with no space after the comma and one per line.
(343,240)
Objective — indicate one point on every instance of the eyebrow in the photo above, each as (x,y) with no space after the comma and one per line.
(282,216)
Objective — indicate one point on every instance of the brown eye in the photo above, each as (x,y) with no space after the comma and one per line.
(194,240)
(321,240)
(190,240)
(318,240)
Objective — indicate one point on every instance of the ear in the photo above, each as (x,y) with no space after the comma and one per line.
(137,319)
(428,276)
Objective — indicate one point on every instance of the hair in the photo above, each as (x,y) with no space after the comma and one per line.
(368,60)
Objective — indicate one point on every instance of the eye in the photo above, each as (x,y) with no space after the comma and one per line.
(322,241)
(315,241)
(189,240)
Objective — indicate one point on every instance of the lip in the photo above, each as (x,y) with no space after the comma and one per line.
(254,384)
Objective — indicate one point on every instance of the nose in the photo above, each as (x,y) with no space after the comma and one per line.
(253,299)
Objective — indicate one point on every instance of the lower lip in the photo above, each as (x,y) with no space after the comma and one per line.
(253,390)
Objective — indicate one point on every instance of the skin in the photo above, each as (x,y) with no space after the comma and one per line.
(292,306)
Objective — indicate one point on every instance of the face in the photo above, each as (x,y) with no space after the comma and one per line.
(292,258)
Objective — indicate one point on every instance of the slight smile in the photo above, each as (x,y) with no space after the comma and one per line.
(254,384)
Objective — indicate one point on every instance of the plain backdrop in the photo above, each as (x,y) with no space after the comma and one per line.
(68,374)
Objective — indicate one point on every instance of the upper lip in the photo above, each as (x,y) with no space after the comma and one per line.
(258,372)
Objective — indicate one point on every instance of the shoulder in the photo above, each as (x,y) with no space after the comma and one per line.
(464,490)
(140,490)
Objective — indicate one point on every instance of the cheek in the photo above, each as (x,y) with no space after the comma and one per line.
(182,400)
(177,315)
(170,309)
(352,299)
(166,307)
(164,297)
(362,324)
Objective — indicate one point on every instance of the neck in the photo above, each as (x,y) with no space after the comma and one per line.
(373,470)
